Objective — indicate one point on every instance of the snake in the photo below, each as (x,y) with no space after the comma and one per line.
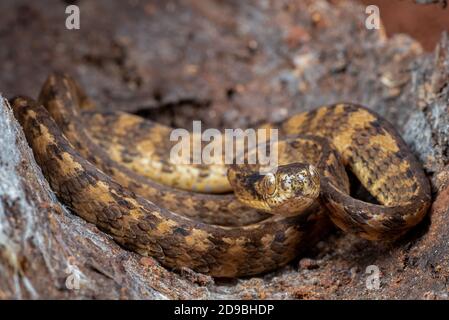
(149,158)
(182,228)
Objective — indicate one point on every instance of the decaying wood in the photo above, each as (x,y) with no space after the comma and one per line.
(230,64)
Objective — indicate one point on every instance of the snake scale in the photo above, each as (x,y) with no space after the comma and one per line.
(217,234)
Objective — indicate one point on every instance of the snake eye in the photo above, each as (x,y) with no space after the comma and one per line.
(269,181)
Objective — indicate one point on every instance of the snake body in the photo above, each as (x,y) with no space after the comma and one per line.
(148,229)
(99,186)
(366,143)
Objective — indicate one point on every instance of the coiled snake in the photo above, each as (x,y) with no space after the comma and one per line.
(89,161)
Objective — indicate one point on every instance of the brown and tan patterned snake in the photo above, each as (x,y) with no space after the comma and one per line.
(86,159)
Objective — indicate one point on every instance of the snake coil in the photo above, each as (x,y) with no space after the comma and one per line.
(86,155)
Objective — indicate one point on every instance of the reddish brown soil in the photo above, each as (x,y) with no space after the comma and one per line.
(425,23)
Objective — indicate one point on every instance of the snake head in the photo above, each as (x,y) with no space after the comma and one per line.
(291,189)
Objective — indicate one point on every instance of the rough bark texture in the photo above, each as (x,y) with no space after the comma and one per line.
(230,64)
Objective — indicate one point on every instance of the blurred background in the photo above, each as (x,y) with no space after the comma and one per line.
(169,60)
